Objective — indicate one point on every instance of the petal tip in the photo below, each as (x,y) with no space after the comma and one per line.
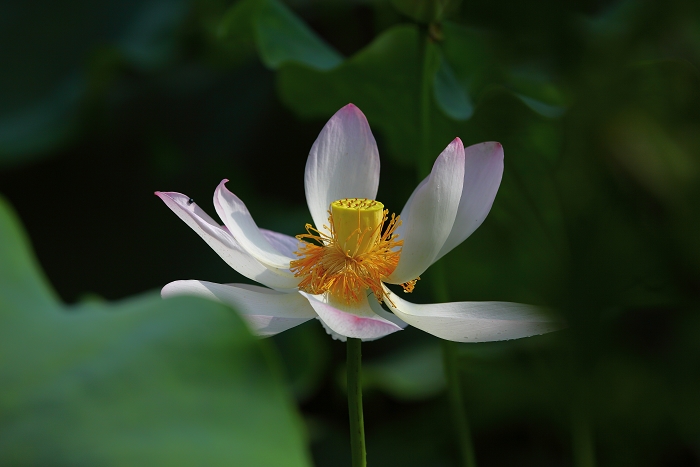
(494,146)
(487,149)
(221,187)
(352,109)
(454,151)
(168,290)
(164,194)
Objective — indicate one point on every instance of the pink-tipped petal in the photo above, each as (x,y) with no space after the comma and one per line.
(343,163)
(266,311)
(240,223)
(483,169)
(221,241)
(429,214)
(358,321)
(475,321)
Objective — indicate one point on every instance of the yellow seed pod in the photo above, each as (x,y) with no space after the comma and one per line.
(357,224)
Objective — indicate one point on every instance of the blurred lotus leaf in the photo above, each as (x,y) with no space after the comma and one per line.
(475,65)
(141,382)
(281,37)
(426,11)
(449,95)
(408,374)
(381,79)
(305,354)
(46,45)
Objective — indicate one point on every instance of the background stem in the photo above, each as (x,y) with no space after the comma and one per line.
(454,392)
(582,439)
(450,364)
(357,424)
(449,349)
(430,57)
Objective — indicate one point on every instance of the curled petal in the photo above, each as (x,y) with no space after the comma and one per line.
(221,241)
(429,214)
(240,223)
(483,169)
(343,163)
(358,320)
(475,321)
(266,311)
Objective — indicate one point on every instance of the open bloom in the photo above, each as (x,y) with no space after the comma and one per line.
(337,271)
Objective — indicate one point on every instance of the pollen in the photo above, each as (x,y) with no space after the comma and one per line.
(361,250)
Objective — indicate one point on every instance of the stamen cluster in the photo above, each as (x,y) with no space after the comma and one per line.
(346,267)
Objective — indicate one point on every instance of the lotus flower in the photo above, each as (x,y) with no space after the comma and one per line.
(338,270)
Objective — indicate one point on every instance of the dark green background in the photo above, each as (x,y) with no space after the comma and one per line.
(597,104)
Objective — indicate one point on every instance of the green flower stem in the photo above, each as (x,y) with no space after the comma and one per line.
(454,384)
(357,424)
(582,440)
(454,392)
(449,349)
(430,64)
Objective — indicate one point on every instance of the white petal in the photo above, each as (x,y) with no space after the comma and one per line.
(377,308)
(221,241)
(358,321)
(240,223)
(483,169)
(285,244)
(427,218)
(474,321)
(266,311)
(343,163)
(330,332)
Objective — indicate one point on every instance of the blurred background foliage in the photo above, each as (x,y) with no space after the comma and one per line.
(597,104)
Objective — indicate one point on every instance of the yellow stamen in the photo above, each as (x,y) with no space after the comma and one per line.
(410,285)
(356,256)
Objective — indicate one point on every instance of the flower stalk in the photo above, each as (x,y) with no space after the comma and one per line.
(449,348)
(430,64)
(582,437)
(354,387)
(454,392)
(450,362)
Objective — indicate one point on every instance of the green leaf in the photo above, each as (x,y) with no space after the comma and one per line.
(542,108)
(41,125)
(382,80)
(475,65)
(407,374)
(235,30)
(449,95)
(470,57)
(535,89)
(281,37)
(305,354)
(44,48)
(426,11)
(141,382)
